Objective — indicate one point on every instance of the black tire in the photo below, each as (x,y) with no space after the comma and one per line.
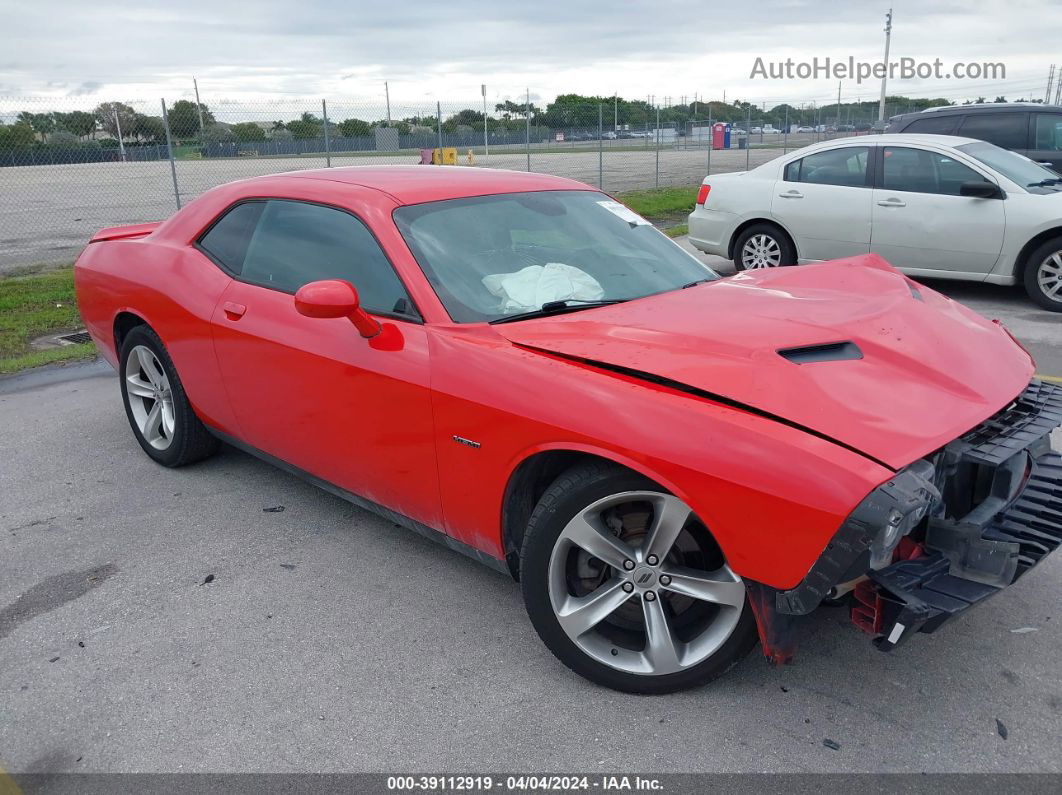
(190,441)
(571,492)
(1032,275)
(787,251)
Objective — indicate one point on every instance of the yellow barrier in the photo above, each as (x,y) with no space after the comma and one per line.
(447,156)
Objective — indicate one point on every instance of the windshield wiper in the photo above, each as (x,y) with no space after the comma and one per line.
(698,281)
(1045,183)
(558,307)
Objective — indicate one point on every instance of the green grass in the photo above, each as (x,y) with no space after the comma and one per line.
(677,231)
(661,203)
(32,306)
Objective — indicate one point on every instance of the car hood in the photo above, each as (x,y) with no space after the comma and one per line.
(929,371)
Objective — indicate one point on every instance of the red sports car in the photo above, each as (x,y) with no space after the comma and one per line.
(673,464)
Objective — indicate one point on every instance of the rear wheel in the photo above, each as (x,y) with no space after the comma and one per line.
(763,246)
(159,413)
(626,587)
(1043,275)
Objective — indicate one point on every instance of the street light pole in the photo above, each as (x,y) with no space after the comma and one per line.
(198,107)
(483,91)
(884,75)
(387,99)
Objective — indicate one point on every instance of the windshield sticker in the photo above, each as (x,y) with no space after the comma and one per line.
(626,214)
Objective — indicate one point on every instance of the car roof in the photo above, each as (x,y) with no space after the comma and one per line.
(895,139)
(999,107)
(414,184)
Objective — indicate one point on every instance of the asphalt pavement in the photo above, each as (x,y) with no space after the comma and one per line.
(176,620)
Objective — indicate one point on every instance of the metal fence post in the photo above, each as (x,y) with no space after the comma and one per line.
(328,141)
(600,151)
(711,142)
(658,146)
(527,135)
(438,115)
(748,137)
(785,131)
(169,150)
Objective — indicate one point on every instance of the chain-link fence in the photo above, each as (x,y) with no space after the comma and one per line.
(69,167)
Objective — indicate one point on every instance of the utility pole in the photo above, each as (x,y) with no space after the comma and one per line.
(387,99)
(483,91)
(118,127)
(838,124)
(198,107)
(884,76)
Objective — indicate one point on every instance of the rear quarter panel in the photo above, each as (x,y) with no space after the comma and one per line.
(174,290)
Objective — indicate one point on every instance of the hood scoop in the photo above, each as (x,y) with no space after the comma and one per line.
(830,352)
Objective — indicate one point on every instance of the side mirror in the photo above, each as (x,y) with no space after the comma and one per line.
(980,190)
(331,298)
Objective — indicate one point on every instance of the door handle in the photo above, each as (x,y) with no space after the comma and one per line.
(233,311)
(1047,163)
(892,203)
(792,194)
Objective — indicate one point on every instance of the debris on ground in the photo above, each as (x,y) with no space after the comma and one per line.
(1001,729)
(1024,630)
(832,744)
(274,509)
(288,566)
(207,580)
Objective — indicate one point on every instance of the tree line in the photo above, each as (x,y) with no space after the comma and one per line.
(196,124)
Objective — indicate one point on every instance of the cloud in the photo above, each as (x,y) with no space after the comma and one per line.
(429,50)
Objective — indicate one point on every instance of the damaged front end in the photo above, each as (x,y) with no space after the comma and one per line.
(942,535)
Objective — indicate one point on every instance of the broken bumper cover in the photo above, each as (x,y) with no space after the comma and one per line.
(988,507)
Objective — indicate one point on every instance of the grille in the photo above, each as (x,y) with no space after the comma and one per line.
(1035,520)
(1036,412)
(76,338)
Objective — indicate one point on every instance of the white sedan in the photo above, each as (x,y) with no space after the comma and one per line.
(932,205)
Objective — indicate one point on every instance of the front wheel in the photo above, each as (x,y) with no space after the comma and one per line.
(763,246)
(626,587)
(1043,275)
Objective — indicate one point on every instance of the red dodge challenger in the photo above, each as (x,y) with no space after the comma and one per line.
(674,465)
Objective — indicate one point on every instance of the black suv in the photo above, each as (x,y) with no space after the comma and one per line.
(1026,128)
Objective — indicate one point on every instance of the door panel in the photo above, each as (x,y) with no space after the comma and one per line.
(921,222)
(1047,140)
(824,201)
(317,395)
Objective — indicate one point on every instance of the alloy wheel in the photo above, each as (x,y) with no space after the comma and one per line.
(637,583)
(761,251)
(1049,276)
(150,398)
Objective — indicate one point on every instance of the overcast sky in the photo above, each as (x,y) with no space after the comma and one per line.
(444,49)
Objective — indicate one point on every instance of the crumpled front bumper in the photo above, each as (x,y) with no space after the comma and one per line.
(999,514)
(1018,523)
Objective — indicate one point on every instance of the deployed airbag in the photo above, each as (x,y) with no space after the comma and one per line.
(531,287)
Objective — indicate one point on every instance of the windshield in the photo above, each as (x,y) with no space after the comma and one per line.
(1011,165)
(493,257)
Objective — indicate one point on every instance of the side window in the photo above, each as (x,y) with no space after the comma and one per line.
(844,166)
(1008,130)
(226,241)
(922,171)
(937,125)
(296,243)
(1048,131)
(792,171)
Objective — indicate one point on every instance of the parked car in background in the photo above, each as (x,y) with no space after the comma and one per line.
(1029,129)
(932,205)
(673,464)
(805,129)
